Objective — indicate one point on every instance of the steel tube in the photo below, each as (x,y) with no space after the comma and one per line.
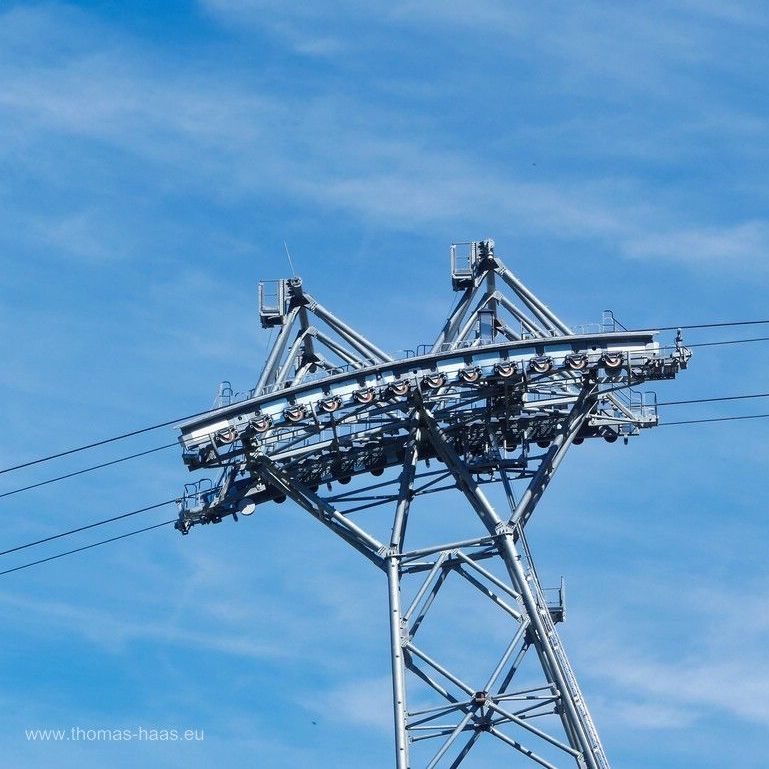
(352,336)
(345,355)
(277,351)
(398,669)
(510,555)
(454,319)
(534,304)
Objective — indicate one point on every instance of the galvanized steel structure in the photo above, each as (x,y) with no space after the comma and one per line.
(499,397)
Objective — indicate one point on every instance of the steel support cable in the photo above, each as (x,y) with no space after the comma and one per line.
(170,422)
(88,526)
(173,520)
(724,324)
(729,341)
(713,400)
(103,442)
(88,470)
(87,547)
(171,445)
(710,344)
(713,419)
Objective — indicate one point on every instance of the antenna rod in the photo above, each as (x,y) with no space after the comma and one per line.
(290,263)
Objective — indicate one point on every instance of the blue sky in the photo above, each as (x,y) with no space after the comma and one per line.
(155,157)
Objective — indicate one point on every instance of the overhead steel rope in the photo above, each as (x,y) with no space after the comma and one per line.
(713,419)
(171,445)
(103,442)
(170,422)
(87,547)
(690,327)
(88,526)
(714,399)
(732,418)
(88,469)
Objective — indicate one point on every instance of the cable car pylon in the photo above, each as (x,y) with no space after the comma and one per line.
(488,410)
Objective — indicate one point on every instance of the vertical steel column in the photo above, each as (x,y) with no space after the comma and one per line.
(398,663)
(273,360)
(452,323)
(293,351)
(473,319)
(394,551)
(305,326)
(491,290)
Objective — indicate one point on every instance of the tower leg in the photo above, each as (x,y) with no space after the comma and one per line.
(439,737)
(576,719)
(398,664)
(397,624)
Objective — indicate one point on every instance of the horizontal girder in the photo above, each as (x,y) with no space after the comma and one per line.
(512,395)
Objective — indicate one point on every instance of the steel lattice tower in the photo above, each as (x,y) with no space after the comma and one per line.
(499,397)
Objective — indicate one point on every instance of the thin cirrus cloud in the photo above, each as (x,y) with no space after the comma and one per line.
(111,631)
(363,702)
(238,138)
(590,39)
(691,688)
(745,243)
(673,691)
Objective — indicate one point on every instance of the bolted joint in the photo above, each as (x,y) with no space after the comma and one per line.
(484,725)
(480,698)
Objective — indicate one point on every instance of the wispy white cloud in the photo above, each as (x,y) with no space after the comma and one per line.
(112,632)
(745,243)
(297,26)
(239,140)
(84,235)
(655,715)
(706,677)
(617,43)
(363,702)
(685,689)
(752,12)
(210,610)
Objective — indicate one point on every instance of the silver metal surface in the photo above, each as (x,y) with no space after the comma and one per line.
(495,402)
